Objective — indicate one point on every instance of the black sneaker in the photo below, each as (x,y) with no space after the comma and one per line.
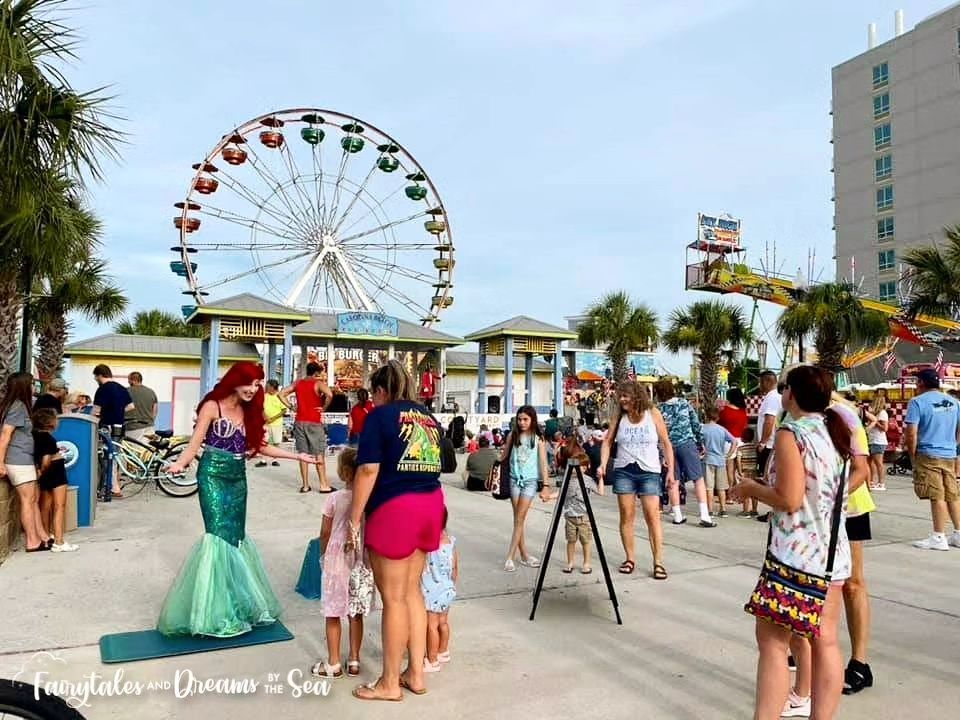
(707,524)
(857,677)
(274,463)
(681,521)
(261,463)
(764,517)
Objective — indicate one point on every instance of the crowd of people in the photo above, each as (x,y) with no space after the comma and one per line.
(810,464)
(812,461)
(30,458)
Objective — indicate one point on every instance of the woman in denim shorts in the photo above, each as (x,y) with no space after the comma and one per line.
(638,431)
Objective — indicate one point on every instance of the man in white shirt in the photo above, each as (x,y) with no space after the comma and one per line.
(770,409)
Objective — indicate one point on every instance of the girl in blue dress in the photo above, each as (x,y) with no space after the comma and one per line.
(222,589)
(439,585)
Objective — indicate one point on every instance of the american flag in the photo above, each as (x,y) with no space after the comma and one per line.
(889,361)
(939,364)
(632,373)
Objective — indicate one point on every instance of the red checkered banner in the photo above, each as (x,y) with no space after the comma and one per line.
(896,409)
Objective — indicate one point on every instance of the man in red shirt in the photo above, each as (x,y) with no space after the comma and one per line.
(309,434)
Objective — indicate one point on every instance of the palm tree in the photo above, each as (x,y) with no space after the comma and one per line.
(157,322)
(50,136)
(623,327)
(712,329)
(836,318)
(934,278)
(86,289)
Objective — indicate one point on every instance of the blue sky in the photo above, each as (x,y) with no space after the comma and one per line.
(573,143)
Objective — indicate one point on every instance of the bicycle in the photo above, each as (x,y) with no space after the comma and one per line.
(141,463)
(22,700)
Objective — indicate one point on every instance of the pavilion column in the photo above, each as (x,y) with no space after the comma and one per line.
(304,359)
(205,366)
(391,351)
(287,357)
(508,376)
(443,377)
(213,355)
(558,380)
(331,371)
(528,378)
(271,359)
(482,379)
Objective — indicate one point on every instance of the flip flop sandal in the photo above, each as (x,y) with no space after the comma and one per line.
(353,668)
(358,693)
(586,570)
(567,570)
(325,492)
(627,567)
(39,548)
(406,686)
(659,572)
(305,490)
(325,670)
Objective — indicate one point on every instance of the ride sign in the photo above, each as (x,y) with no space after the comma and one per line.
(367,323)
(718,230)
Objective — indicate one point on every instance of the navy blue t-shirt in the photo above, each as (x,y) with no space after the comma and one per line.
(112,398)
(404,439)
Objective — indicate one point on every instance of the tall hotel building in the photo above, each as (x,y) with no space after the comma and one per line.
(896,149)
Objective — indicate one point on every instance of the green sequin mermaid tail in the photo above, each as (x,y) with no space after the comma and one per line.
(222,589)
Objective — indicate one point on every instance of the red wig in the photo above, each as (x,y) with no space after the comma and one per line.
(243,373)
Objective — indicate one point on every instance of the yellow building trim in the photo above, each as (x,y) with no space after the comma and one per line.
(222,312)
(105,354)
(522,333)
(345,340)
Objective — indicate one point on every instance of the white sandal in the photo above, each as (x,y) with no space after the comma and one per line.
(326,670)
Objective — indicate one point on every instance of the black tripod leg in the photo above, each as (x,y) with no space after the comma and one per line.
(554,523)
(600,553)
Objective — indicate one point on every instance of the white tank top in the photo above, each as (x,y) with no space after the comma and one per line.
(638,443)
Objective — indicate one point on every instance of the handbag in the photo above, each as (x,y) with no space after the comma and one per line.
(498,481)
(793,598)
(310,583)
(360,587)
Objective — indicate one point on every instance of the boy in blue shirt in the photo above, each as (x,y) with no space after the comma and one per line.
(718,446)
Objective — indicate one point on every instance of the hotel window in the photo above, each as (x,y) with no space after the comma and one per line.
(888,290)
(881,106)
(881,136)
(885,197)
(886,260)
(885,228)
(881,75)
(883,167)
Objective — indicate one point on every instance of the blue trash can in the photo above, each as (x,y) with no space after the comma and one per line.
(336,434)
(76,436)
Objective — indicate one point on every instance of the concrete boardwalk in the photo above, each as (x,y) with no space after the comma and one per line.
(686,649)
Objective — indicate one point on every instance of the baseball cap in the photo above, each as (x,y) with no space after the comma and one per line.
(929,377)
(57,384)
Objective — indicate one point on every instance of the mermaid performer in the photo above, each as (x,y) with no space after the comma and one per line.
(222,589)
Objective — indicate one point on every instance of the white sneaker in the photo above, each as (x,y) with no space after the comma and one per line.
(66,547)
(933,542)
(530,561)
(796,706)
(954,539)
(509,566)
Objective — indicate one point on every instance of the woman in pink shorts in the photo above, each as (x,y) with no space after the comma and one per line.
(397,487)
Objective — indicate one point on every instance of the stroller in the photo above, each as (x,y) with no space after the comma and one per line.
(901,465)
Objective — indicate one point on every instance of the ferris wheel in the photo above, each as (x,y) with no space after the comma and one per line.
(358,227)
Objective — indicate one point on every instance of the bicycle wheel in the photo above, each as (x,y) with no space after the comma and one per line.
(17,700)
(183,485)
